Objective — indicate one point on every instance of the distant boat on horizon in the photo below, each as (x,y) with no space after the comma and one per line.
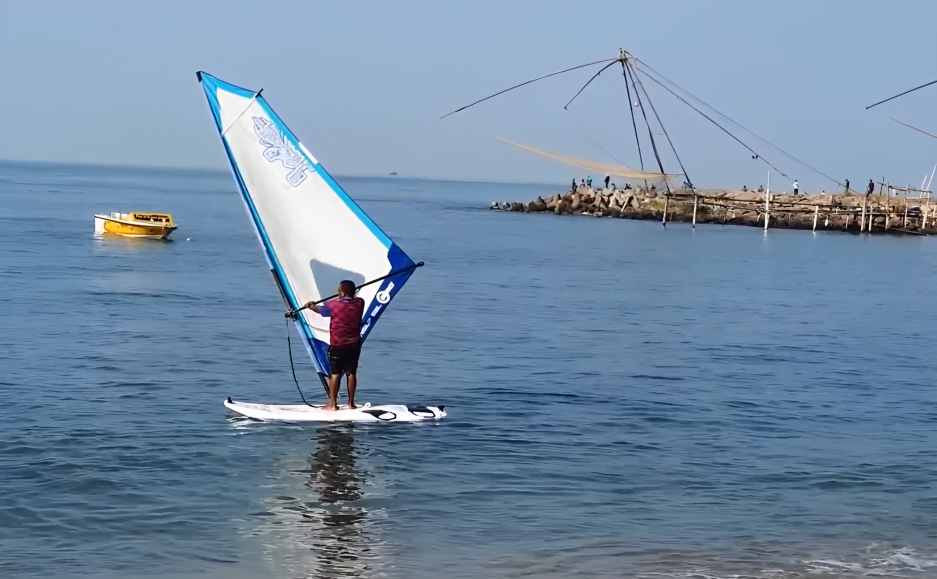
(392,174)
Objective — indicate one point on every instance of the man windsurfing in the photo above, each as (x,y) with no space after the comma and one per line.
(345,315)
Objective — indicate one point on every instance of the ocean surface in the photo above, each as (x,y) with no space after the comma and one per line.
(624,400)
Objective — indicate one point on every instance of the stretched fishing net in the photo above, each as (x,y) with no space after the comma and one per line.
(620,171)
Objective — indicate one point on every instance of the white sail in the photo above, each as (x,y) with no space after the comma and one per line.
(312,232)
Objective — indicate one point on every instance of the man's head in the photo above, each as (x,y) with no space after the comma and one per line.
(346,289)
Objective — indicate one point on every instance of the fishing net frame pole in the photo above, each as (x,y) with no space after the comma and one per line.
(901,94)
(906,124)
(624,75)
(915,128)
(630,66)
(622,58)
(707,117)
(659,122)
(627,68)
(526,83)
(650,134)
(650,73)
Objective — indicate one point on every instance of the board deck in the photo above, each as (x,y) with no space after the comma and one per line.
(364,413)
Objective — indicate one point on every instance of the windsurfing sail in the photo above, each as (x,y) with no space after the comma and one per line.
(313,234)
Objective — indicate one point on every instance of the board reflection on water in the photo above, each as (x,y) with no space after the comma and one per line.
(318,528)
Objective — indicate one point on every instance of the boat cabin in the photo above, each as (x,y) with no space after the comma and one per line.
(163,219)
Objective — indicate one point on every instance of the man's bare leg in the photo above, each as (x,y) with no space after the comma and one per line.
(335,381)
(351,382)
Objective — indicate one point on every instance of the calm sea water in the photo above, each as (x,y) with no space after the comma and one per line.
(624,400)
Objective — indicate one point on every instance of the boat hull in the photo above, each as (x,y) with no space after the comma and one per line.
(128,229)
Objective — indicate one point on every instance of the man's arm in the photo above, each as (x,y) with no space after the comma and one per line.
(322,310)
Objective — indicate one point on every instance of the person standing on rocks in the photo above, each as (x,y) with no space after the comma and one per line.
(573,188)
(847,185)
(796,186)
(871,188)
(588,181)
(607,179)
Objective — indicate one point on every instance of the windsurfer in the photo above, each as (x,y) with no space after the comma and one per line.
(344,340)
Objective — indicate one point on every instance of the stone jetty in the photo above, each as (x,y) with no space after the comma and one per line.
(846,211)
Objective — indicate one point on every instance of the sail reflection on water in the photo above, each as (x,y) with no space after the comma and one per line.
(317,530)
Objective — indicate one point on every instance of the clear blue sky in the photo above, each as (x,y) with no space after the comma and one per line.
(363,84)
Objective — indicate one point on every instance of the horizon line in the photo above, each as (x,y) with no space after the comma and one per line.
(224,172)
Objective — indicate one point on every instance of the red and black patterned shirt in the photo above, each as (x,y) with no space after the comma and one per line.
(345,325)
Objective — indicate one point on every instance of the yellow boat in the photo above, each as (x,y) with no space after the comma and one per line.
(149,225)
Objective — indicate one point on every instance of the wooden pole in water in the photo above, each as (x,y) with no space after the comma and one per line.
(767,209)
(695,203)
(816,213)
(666,203)
(865,201)
(881,187)
(905,222)
(768,201)
(887,196)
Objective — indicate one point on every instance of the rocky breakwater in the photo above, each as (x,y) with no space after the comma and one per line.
(848,211)
(599,203)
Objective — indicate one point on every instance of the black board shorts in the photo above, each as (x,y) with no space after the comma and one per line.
(344,360)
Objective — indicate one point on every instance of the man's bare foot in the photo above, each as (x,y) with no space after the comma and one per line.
(330,407)
(351,405)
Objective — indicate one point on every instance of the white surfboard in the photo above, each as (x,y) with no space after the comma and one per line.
(365,413)
(313,235)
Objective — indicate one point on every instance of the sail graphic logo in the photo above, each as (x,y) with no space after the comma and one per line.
(384,296)
(278,148)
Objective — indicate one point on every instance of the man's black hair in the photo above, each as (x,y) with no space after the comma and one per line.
(348,287)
